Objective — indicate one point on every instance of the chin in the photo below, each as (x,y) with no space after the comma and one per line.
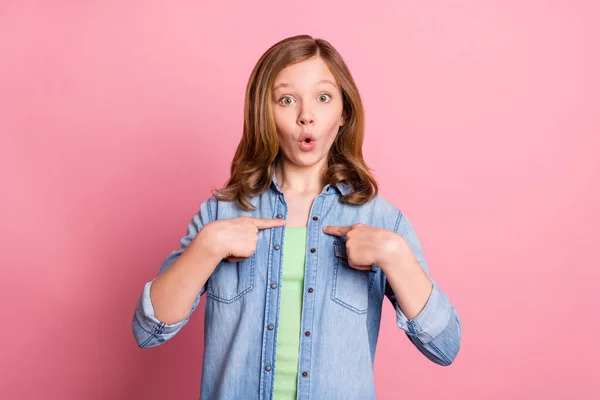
(309,159)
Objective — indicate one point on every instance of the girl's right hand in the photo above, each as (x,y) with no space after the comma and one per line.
(235,239)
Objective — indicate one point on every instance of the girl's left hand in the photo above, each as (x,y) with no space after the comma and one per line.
(367,245)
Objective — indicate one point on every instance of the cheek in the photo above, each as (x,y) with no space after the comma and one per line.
(284,122)
(331,120)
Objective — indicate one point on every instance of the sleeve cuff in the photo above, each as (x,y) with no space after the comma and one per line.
(146,318)
(431,321)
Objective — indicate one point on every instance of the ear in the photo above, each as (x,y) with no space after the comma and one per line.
(342,120)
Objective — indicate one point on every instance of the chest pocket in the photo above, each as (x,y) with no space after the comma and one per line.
(231,280)
(351,287)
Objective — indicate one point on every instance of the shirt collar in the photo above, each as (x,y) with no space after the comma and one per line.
(343,188)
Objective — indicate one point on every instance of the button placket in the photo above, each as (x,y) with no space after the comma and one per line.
(274,276)
(311,270)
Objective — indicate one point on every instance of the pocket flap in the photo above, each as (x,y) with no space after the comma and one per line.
(340,249)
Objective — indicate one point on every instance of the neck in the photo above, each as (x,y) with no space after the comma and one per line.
(298,179)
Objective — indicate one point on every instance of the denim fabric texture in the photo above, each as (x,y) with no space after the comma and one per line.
(341,309)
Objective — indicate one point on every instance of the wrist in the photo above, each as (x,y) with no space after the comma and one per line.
(203,244)
(398,255)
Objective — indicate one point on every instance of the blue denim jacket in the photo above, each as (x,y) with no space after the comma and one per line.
(341,308)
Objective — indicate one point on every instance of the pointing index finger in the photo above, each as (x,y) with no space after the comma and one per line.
(337,230)
(264,223)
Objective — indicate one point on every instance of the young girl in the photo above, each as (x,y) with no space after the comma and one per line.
(297,252)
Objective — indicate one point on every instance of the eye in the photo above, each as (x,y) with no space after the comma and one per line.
(286,101)
(325,98)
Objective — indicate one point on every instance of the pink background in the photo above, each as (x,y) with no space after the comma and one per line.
(482,125)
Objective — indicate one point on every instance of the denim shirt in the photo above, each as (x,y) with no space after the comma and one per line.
(341,308)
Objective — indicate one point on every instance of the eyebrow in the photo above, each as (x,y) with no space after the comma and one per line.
(282,85)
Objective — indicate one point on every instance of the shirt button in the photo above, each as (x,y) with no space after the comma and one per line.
(279,216)
(268,367)
(276,247)
(270,327)
(273,286)
(305,374)
(307,333)
(315,218)
(313,250)
(310,290)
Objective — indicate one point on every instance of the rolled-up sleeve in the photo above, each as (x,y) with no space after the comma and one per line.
(147,329)
(436,330)
(431,321)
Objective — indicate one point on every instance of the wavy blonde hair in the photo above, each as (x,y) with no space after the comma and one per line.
(258,151)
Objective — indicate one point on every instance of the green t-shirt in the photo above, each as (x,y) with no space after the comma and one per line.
(290,314)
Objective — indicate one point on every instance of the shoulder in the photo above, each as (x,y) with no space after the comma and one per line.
(378,212)
(383,205)
(225,209)
(386,212)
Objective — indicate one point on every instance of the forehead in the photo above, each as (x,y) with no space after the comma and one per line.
(304,74)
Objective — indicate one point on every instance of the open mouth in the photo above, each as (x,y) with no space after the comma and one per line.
(307,138)
(307,142)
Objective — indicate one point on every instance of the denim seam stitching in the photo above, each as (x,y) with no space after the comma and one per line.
(249,288)
(440,353)
(142,325)
(210,217)
(313,316)
(277,309)
(333,295)
(145,342)
(267,308)
(397,224)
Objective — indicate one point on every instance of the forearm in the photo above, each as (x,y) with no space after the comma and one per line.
(431,324)
(410,284)
(423,310)
(173,293)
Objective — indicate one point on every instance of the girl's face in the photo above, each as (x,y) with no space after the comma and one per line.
(307,107)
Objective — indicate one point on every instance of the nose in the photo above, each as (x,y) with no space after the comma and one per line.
(306,117)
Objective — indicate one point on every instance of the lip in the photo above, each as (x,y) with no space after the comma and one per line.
(305,136)
(306,146)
